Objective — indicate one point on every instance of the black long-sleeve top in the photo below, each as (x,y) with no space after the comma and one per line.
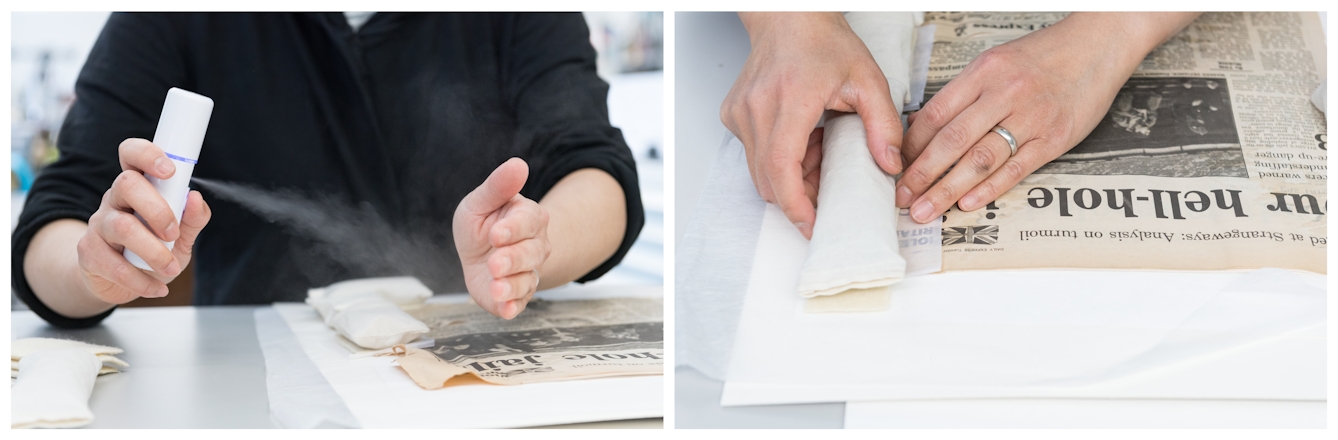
(405,116)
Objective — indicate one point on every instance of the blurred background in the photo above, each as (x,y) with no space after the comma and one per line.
(48,49)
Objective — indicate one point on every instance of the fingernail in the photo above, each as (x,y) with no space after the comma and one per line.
(506,264)
(506,238)
(171,227)
(509,309)
(903,196)
(922,211)
(893,153)
(802,226)
(163,165)
(173,269)
(967,203)
(162,292)
(506,290)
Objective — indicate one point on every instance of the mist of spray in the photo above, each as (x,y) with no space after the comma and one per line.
(357,238)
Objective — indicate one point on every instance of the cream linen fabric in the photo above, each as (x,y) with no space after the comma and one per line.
(368,312)
(27,346)
(401,291)
(854,243)
(376,323)
(105,370)
(53,389)
(890,37)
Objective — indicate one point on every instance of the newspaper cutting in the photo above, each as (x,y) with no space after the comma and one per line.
(551,341)
(1210,157)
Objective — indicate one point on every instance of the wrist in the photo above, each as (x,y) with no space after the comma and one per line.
(1104,38)
(1126,37)
(51,267)
(767,25)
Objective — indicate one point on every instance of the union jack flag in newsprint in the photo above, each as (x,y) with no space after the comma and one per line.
(971,235)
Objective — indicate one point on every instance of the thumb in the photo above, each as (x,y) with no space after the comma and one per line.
(882,124)
(503,184)
(193,220)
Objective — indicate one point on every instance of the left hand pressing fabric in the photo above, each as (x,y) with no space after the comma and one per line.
(502,239)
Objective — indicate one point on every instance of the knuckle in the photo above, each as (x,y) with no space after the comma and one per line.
(1060,131)
(944,192)
(916,177)
(767,195)
(127,180)
(186,246)
(1028,86)
(97,219)
(161,213)
(161,257)
(543,217)
(127,146)
(124,225)
(934,113)
(148,290)
(987,191)
(954,134)
(981,159)
(84,249)
(753,103)
(991,59)
(121,273)
(773,163)
(1012,170)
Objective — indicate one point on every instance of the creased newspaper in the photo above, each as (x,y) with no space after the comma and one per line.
(551,341)
(1210,157)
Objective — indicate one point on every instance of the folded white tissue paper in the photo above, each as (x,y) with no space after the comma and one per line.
(53,388)
(368,311)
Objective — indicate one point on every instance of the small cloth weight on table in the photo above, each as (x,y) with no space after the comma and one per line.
(53,388)
(376,324)
(27,346)
(368,311)
(401,291)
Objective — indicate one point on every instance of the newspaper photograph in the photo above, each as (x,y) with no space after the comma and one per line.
(551,341)
(1210,157)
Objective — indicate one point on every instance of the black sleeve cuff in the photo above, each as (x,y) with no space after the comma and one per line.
(22,236)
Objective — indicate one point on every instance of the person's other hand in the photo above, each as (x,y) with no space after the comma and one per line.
(114,227)
(1049,89)
(502,238)
(800,65)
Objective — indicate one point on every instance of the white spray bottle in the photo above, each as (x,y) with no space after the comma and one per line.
(180,134)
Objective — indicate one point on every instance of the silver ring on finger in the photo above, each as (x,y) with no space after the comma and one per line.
(1012,142)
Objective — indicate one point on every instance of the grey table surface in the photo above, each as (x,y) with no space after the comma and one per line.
(710,49)
(190,367)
